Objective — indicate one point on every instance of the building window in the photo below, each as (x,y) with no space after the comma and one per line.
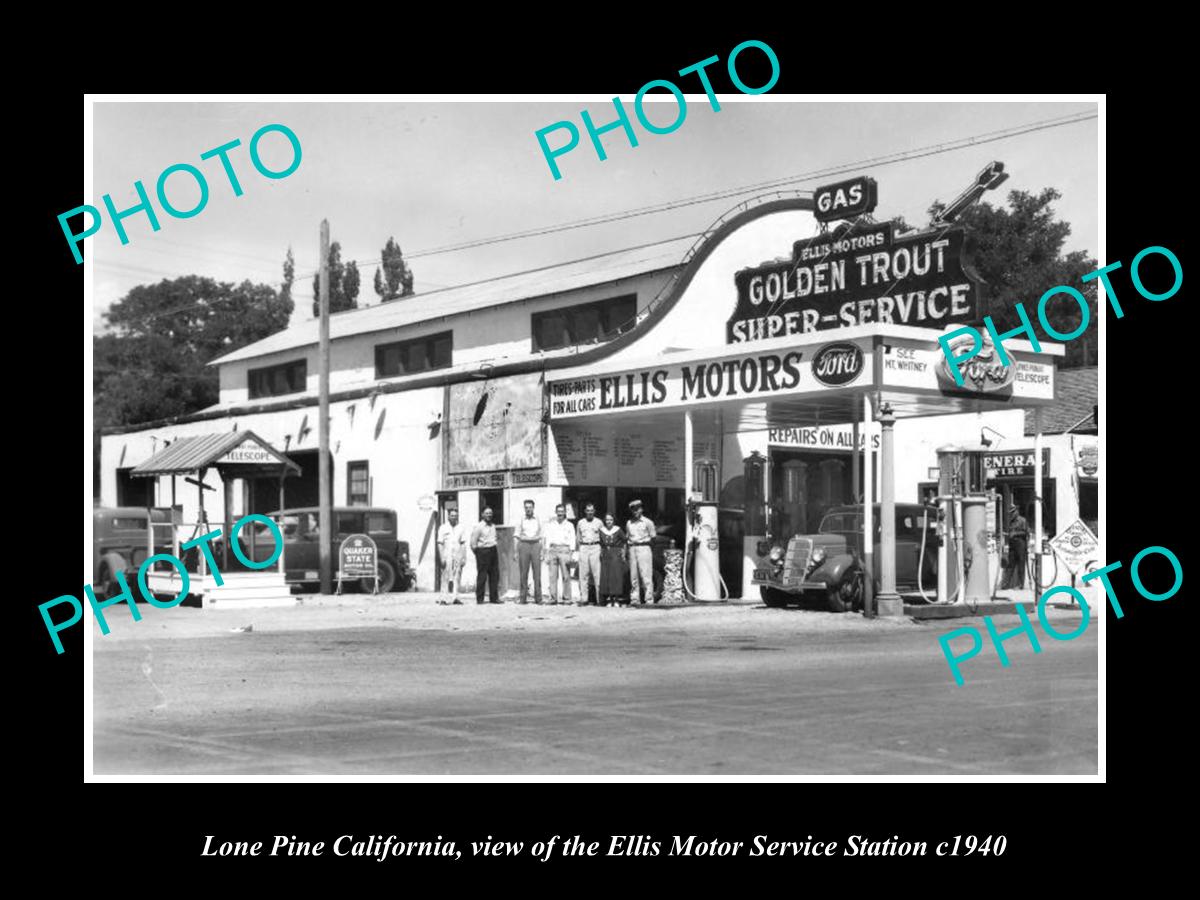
(409,357)
(358,484)
(584,323)
(288,378)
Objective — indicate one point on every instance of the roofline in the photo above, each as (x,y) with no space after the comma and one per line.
(220,360)
(523,367)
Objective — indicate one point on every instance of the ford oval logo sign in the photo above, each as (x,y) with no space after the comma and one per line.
(837,364)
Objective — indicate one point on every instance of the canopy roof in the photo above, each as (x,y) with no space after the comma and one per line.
(241,452)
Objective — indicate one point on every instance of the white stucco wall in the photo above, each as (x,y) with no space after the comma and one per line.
(405,464)
(498,333)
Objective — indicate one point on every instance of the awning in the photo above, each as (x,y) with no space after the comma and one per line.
(240,453)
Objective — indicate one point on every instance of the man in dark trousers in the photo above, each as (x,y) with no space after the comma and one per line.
(487,563)
(1018,542)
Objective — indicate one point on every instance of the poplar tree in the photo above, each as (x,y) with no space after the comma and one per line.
(394,278)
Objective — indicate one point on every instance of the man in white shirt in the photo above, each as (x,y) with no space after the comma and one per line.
(588,532)
(452,545)
(560,539)
(640,532)
(528,553)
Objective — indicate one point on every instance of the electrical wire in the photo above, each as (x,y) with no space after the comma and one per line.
(887,159)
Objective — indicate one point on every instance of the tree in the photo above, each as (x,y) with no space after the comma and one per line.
(1018,253)
(344,283)
(350,283)
(393,279)
(289,276)
(153,364)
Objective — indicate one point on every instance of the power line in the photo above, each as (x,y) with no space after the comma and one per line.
(874,162)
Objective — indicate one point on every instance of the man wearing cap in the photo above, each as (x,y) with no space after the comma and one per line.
(641,532)
(1018,538)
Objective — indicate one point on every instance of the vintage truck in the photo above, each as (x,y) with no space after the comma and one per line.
(829,563)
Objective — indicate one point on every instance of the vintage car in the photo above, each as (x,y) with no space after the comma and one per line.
(301,550)
(120,536)
(829,563)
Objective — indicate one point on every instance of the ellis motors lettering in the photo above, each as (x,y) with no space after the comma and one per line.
(769,372)
(855,279)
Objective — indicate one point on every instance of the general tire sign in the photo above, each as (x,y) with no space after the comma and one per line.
(860,276)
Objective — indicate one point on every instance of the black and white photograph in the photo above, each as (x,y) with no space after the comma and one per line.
(701,433)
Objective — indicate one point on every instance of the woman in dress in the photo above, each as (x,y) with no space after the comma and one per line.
(612,563)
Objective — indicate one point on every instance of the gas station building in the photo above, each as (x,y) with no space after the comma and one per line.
(770,369)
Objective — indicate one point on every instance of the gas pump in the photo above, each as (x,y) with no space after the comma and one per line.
(964,501)
(702,555)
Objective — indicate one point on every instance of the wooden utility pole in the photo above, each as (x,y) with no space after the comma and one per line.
(324,483)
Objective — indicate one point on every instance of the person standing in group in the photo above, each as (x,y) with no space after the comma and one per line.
(528,554)
(560,541)
(612,564)
(487,563)
(589,556)
(1018,539)
(452,545)
(640,532)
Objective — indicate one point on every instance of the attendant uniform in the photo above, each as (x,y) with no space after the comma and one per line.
(452,544)
(589,556)
(529,556)
(487,564)
(560,538)
(1018,539)
(641,533)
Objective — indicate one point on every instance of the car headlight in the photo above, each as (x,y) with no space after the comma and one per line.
(818,556)
(776,554)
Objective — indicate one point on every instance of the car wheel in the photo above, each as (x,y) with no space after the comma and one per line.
(847,595)
(774,598)
(107,583)
(387,578)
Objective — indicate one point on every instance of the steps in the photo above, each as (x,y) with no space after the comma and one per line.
(238,589)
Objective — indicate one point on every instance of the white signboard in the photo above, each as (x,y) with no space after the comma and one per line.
(740,377)
(912,365)
(1075,545)
(824,437)
(248,452)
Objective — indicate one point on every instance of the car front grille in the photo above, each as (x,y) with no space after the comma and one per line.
(795,564)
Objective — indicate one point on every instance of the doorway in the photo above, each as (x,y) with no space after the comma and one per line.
(299,491)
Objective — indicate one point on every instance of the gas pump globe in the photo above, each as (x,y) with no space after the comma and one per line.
(964,555)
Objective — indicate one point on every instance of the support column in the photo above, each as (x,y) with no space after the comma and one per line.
(1036,549)
(888,601)
(689,457)
(227,502)
(855,460)
(282,479)
(868,516)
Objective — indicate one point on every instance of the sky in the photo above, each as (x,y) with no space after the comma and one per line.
(439,173)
